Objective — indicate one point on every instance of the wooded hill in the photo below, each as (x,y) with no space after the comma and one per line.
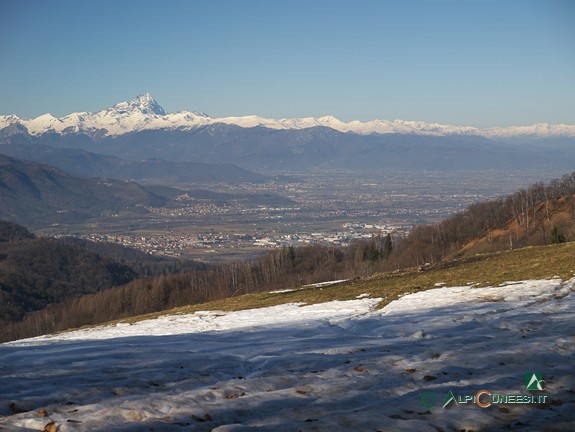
(540,214)
(36,272)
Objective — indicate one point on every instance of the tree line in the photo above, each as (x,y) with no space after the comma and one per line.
(286,267)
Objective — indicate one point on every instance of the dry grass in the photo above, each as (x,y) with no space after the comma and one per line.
(543,262)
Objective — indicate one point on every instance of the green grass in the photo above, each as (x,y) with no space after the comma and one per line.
(543,262)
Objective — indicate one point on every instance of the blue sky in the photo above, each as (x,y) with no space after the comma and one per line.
(481,63)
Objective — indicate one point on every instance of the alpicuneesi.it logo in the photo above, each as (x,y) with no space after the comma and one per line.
(533,381)
(485,398)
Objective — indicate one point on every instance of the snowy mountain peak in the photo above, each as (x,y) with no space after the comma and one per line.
(145,113)
(144,104)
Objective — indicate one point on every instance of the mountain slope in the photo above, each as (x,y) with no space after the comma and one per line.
(87,164)
(37,271)
(34,194)
(546,221)
(320,147)
(538,215)
(262,149)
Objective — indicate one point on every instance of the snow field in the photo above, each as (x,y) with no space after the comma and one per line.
(342,365)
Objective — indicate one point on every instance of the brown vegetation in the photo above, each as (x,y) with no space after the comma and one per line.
(538,215)
(35,272)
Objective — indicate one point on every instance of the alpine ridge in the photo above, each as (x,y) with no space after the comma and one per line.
(145,113)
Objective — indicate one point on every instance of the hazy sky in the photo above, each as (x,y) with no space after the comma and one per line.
(480,63)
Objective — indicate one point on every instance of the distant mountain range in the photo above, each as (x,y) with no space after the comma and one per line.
(87,164)
(141,130)
(145,113)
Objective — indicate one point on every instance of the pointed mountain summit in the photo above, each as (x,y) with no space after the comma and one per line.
(144,104)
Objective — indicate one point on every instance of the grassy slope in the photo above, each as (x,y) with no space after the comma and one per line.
(542,262)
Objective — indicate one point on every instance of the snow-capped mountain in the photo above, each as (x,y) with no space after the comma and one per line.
(141,129)
(145,104)
(145,113)
(141,113)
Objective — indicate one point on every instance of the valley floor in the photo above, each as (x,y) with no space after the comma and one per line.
(342,365)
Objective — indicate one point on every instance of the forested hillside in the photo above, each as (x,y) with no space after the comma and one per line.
(35,272)
(538,215)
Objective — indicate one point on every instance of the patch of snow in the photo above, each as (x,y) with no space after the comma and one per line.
(340,366)
(327,283)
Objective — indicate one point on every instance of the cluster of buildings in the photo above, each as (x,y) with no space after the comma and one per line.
(179,244)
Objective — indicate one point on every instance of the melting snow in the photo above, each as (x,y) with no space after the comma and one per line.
(343,365)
